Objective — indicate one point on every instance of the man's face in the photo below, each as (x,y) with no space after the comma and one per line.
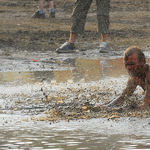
(132,65)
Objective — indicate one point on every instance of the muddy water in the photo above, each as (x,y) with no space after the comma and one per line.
(75,69)
(23,82)
(125,134)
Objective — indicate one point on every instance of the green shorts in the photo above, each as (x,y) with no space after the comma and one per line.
(80,11)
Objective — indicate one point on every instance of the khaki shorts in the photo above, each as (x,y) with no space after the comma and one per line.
(80,11)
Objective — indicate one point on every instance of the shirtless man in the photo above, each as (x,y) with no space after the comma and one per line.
(139,72)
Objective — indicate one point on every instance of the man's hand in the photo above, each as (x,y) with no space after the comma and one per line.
(103,107)
(117,102)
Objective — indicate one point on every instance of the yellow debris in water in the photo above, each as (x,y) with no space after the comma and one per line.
(113,116)
(6,121)
(26,119)
(84,108)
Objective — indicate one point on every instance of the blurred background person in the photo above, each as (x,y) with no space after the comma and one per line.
(40,13)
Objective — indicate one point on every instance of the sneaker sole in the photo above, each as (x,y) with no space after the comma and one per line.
(104,51)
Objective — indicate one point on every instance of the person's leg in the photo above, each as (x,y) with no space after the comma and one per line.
(78,19)
(40,13)
(72,37)
(103,8)
(40,5)
(51,4)
(51,9)
(103,37)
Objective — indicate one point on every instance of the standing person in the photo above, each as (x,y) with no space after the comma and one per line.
(139,74)
(40,13)
(79,15)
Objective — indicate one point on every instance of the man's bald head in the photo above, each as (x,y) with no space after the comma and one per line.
(134,49)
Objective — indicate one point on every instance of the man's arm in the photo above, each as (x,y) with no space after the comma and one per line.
(127,92)
(146,101)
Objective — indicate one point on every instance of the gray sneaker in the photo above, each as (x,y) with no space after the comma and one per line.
(38,15)
(66,48)
(104,47)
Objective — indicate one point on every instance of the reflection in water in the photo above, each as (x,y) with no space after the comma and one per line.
(63,76)
(88,70)
(81,69)
(116,67)
(23,77)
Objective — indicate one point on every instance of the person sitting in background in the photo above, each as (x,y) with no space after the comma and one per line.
(40,13)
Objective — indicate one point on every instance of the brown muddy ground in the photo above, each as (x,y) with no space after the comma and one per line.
(130,25)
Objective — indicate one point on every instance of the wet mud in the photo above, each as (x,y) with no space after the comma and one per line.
(65,87)
(62,89)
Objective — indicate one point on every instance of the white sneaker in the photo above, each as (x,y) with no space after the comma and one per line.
(104,47)
(66,48)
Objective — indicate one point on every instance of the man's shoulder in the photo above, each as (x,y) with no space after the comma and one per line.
(147,65)
(147,69)
(132,80)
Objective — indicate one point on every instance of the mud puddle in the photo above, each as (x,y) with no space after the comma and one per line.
(100,133)
(46,102)
(61,68)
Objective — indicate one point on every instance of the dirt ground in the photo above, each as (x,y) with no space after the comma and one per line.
(130,25)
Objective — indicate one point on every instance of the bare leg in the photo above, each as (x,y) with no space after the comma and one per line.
(51,4)
(103,37)
(72,37)
(40,4)
(51,9)
(40,12)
